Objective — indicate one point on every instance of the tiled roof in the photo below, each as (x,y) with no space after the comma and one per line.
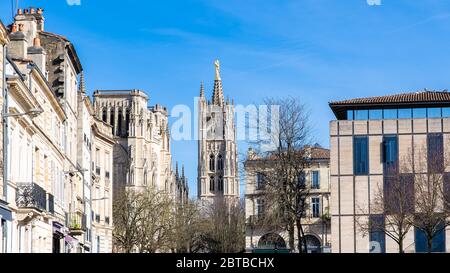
(413,97)
(320,153)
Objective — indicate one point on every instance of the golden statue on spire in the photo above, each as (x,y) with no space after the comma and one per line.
(217,64)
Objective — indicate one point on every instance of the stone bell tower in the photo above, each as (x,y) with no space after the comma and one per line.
(217,149)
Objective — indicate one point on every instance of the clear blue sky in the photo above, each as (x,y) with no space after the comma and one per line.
(316,50)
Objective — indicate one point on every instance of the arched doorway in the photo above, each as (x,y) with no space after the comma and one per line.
(271,241)
(313,244)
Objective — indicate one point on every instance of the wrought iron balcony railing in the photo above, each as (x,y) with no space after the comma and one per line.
(31,195)
(77,221)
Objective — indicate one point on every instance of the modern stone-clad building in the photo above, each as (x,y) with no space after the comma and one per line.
(217,148)
(368,138)
(260,237)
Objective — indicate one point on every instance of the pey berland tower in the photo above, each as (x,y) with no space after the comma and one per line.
(217,149)
(374,140)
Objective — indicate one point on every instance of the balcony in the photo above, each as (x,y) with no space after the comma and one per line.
(77,224)
(31,195)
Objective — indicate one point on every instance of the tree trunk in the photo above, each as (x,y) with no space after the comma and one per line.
(291,236)
(400,245)
(299,236)
(430,244)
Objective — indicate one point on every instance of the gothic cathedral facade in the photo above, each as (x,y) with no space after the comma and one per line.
(217,148)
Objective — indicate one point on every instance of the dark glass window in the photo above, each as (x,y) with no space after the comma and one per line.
(260,207)
(377,235)
(447,190)
(360,155)
(211,183)
(399,193)
(315,203)
(438,242)
(220,184)
(375,114)
(301,180)
(446,112)
(361,114)
(390,154)
(419,113)
(434,112)
(435,153)
(390,113)
(315,183)
(405,113)
(350,115)
(260,181)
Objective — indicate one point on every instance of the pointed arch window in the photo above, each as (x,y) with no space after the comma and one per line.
(220,163)
(212,165)
(211,184)
(145,177)
(220,184)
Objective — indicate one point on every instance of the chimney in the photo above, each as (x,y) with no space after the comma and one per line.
(38,55)
(19,11)
(18,45)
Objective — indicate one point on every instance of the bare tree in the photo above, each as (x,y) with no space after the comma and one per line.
(223,231)
(127,213)
(187,227)
(285,189)
(431,192)
(142,221)
(395,202)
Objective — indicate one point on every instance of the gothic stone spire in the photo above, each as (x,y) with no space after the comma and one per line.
(218,98)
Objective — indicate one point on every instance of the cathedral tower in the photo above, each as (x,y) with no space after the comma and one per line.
(217,149)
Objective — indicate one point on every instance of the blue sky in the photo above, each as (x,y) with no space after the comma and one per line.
(315,50)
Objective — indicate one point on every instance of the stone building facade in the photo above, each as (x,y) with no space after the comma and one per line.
(5,211)
(217,148)
(316,222)
(368,138)
(142,154)
(49,132)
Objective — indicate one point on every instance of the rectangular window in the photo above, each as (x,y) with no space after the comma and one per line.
(350,115)
(375,114)
(390,113)
(301,180)
(390,154)
(377,236)
(438,242)
(446,112)
(361,114)
(435,153)
(360,155)
(260,207)
(4,231)
(260,181)
(419,113)
(315,183)
(399,194)
(315,203)
(405,113)
(434,112)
